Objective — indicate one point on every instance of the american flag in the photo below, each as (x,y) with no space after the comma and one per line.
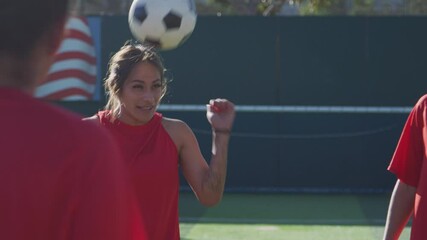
(73,74)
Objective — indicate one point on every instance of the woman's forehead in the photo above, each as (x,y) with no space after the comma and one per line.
(144,71)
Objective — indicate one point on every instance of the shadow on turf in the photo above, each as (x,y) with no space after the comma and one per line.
(290,209)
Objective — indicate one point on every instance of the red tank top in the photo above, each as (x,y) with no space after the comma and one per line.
(152,157)
(410,165)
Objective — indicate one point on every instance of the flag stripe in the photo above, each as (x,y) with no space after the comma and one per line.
(75,55)
(75,64)
(59,85)
(76,34)
(79,25)
(72,45)
(68,93)
(75,98)
(90,79)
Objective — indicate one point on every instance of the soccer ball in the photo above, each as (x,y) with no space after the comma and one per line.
(164,23)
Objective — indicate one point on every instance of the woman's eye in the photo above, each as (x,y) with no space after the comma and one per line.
(157,85)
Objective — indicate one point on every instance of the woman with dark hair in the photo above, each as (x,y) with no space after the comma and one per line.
(154,147)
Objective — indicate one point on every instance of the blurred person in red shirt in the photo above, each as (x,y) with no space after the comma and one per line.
(410,167)
(60,177)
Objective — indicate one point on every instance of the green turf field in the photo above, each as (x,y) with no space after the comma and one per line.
(286,216)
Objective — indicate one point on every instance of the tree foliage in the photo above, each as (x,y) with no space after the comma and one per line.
(336,7)
(275,7)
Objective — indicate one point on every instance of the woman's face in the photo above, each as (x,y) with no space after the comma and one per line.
(141,94)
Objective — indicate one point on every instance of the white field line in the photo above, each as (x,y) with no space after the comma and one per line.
(281,221)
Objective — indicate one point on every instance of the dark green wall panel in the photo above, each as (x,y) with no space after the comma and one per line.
(316,61)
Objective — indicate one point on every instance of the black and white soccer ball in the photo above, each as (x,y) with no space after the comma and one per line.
(164,23)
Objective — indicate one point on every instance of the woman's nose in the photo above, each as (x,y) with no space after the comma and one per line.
(148,96)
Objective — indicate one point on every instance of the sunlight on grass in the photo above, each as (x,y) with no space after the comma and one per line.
(286,217)
(205,231)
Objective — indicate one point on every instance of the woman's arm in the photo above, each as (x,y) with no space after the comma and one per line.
(400,210)
(208,180)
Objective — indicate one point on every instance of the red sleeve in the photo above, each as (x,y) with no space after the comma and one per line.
(105,207)
(409,154)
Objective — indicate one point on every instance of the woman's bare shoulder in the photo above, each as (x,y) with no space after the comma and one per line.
(173,125)
(94,118)
(177,129)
